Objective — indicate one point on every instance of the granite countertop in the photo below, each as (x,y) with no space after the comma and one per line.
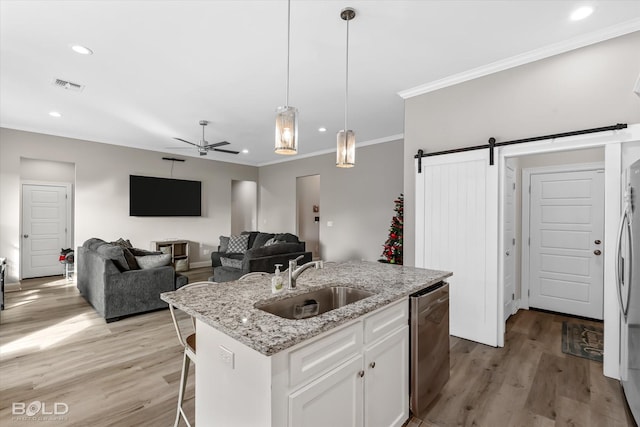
(229,307)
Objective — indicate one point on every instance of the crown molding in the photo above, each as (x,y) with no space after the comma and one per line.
(527,57)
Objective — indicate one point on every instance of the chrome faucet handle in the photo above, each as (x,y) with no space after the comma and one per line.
(293,263)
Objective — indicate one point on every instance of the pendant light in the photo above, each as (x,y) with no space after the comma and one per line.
(346,148)
(287,116)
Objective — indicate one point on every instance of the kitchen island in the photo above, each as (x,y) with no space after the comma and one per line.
(348,366)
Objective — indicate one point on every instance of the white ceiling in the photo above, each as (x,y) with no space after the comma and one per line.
(161,66)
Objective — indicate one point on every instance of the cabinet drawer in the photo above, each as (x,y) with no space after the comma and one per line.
(324,354)
(383,322)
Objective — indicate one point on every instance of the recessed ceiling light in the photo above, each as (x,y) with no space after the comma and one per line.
(54,114)
(245,151)
(81,49)
(581,13)
(322,129)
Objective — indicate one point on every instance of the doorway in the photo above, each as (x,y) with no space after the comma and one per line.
(308,212)
(244,206)
(46,227)
(563,222)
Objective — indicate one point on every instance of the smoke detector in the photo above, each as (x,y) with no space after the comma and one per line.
(67,85)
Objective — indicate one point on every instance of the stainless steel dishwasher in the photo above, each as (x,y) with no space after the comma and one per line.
(429,345)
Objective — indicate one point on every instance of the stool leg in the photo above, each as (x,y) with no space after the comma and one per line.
(183,386)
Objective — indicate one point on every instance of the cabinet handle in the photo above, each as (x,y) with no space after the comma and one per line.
(372,365)
(597,252)
(361,374)
(597,242)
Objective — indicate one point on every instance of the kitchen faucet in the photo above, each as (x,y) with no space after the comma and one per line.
(295,270)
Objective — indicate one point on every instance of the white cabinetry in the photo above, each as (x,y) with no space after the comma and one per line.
(335,399)
(370,389)
(355,375)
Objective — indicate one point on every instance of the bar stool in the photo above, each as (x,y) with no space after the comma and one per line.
(189,344)
(254,274)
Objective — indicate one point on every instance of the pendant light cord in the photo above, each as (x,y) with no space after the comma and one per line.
(288,47)
(346,86)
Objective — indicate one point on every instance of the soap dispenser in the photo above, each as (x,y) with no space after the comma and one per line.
(276,280)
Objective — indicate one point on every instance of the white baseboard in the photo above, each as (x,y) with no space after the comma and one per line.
(12,287)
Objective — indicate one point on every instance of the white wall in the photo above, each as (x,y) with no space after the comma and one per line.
(308,196)
(358,201)
(102,193)
(585,88)
(244,206)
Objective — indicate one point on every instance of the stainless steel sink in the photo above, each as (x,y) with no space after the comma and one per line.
(313,303)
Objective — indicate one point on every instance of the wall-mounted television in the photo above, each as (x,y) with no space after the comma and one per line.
(149,196)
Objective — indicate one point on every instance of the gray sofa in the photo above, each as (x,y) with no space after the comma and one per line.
(110,279)
(258,257)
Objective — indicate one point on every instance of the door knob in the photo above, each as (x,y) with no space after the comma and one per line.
(597,252)
(597,242)
(25,235)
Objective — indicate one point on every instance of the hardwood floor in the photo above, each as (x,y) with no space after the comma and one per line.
(55,348)
(528,382)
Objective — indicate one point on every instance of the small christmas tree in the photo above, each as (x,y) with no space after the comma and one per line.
(393,246)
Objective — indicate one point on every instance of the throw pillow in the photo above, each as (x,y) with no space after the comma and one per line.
(143,252)
(270,242)
(261,239)
(123,243)
(128,255)
(230,262)
(287,237)
(224,244)
(153,261)
(115,254)
(238,244)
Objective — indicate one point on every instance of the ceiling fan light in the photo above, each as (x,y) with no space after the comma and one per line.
(346,149)
(287,131)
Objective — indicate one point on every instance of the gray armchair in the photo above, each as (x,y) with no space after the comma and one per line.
(116,290)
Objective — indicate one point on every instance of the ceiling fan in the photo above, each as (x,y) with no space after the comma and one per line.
(204,146)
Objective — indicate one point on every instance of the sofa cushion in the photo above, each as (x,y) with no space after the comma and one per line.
(153,261)
(278,248)
(238,244)
(231,262)
(224,244)
(287,237)
(261,239)
(143,252)
(128,255)
(115,254)
(93,243)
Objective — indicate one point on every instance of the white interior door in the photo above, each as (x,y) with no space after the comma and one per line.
(45,216)
(566,230)
(457,231)
(509,242)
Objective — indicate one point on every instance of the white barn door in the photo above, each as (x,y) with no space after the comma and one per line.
(457,231)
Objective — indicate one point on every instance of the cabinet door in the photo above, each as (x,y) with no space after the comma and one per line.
(335,399)
(386,399)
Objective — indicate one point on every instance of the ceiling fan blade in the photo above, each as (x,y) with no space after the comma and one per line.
(183,140)
(226,151)
(217,144)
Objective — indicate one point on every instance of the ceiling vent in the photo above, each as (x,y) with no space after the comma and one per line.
(65,84)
